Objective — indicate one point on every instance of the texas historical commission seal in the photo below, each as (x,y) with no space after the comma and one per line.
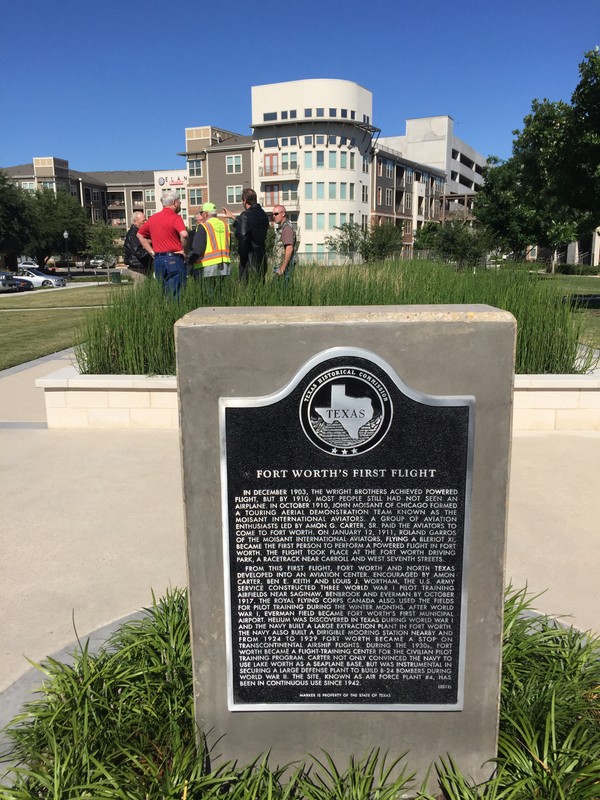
(346,411)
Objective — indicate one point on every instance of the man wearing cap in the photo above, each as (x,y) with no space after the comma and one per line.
(209,256)
(164,237)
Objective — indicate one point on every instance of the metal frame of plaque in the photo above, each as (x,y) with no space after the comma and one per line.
(346,509)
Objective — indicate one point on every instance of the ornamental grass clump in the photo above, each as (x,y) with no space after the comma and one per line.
(134,334)
(119,725)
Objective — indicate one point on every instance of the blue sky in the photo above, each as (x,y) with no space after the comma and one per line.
(113,84)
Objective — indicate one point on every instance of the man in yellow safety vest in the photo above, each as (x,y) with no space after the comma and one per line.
(209,256)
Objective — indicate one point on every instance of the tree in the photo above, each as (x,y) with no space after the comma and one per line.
(54,213)
(454,241)
(501,207)
(101,238)
(548,192)
(347,241)
(381,242)
(16,218)
(427,236)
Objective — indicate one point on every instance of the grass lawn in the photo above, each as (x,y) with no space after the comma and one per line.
(576,284)
(35,324)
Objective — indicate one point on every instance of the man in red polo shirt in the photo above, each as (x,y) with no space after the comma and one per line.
(164,236)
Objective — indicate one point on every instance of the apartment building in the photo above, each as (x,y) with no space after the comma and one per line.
(219,167)
(54,174)
(126,191)
(313,154)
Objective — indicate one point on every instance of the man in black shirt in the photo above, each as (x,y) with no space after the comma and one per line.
(134,255)
(251,230)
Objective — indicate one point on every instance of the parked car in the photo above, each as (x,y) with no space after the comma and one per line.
(39,278)
(7,282)
(23,285)
(98,262)
(29,263)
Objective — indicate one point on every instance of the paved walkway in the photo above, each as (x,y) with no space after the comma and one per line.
(92,522)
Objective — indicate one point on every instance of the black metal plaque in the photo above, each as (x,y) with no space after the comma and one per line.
(346,507)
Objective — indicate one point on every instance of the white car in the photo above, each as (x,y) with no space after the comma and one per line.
(39,278)
(102,261)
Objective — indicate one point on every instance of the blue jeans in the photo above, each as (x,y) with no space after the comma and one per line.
(170,271)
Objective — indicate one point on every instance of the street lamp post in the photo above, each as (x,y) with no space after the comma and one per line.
(66,235)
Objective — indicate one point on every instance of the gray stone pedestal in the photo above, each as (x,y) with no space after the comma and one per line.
(260,391)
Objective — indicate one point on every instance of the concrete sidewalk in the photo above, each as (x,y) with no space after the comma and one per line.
(93,522)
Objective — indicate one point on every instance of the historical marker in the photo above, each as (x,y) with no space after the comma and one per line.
(346,500)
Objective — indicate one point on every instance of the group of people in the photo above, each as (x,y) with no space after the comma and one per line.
(205,253)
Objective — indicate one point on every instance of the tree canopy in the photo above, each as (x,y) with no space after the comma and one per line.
(548,191)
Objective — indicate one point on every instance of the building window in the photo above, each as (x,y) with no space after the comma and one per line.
(320,191)
(320,112)
(97,214)
(333,112)
(320,222)
(308,193)
(407,227)
(180,194)
(234,194)
(351,219)
(196,197)
(308,112)
(308,140)
(379,195)
(308,222)
(344,113)
(343,218)
(195,168)
(380,168)
(353,115)
(289,161)
(351,191)
(293,114)
(320,249)
(29,186)
(332,195)
(332,221)
(409,175)
(320,159)
(365,194)
(96,195)
(332,159)
(365,165)
(308,249)
(388,197)
(343,191)
(289,192)
(408,201)
(352,161)
(270,142)
(270,116)
(308,160)
(320,139)
(149,194)
(343,160)
(284,115)
(234,164)
(389,169)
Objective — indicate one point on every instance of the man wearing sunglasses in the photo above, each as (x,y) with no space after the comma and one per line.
(285,243)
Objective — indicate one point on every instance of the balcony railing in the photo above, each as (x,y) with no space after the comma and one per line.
(275,173)
(274,200)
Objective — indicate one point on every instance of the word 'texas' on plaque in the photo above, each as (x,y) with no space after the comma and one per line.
(346,500)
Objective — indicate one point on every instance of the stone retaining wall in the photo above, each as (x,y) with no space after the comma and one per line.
(541,402)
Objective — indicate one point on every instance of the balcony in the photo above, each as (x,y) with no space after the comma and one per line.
(275,199)
(276,174)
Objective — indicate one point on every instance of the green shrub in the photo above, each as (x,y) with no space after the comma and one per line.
(120,725)
(135,334)
(574,269)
